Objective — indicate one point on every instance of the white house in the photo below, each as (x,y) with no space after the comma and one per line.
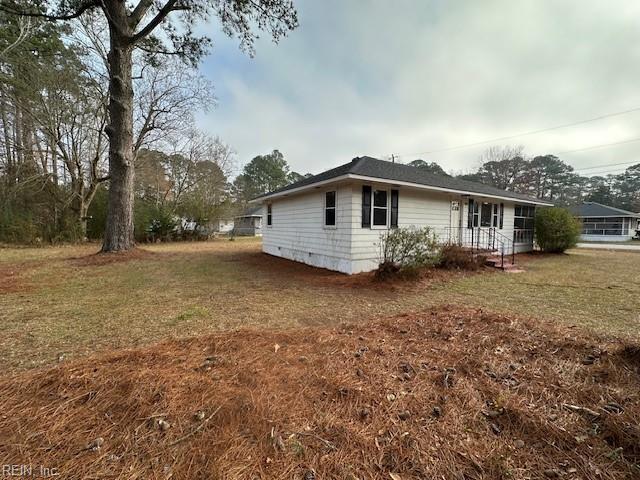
(334,219)
(601,223)
(249,223)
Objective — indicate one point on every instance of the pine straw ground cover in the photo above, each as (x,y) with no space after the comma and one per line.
(443,393)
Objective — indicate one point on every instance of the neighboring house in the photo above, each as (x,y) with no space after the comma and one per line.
(223,225)
(334,219)
(601,223)
(249,223)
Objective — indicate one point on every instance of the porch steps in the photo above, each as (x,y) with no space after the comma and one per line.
(494,261)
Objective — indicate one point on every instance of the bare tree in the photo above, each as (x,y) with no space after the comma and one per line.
(166,97)
(503,167)
(147,25)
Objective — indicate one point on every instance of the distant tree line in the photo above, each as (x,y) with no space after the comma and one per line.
(548,177)
(54,171)
(84,81)
(54,168)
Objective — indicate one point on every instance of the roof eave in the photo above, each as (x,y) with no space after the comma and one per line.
(625,215)
(286,193)
(351,176)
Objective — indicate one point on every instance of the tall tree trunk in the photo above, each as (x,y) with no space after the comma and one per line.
(118,235)
(7,136)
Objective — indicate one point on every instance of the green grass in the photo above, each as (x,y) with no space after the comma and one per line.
(58,300)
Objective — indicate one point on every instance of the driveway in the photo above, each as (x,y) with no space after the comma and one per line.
(611,246)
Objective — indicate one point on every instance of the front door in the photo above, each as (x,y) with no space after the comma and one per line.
(455,222)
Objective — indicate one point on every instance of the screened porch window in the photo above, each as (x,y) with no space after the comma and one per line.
(524,217)
(605,226)
(523,223)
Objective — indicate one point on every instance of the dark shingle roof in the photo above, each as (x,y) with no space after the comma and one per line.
(255,211)
(372,167)
(593,209)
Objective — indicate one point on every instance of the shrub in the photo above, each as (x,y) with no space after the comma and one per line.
(162,226)
(455,257)
(556,229)
(404,251)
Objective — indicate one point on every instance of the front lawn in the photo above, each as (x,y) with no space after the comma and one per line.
(65,301)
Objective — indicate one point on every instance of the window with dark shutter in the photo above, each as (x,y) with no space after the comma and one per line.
(474,214)
(501,215)
(380,207)
(394,208)
(269,215)
(366,206)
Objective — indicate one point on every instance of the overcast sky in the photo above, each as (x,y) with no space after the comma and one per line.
(405,77)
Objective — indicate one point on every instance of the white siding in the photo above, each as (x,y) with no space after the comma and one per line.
(419,208)
(298,232)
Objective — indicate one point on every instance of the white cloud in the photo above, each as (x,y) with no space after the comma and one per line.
(409,76)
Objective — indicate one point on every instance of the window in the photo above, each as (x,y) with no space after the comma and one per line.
(524,217)
(380,208)
(269,215)
(604,226)
(486,214)
(330,209)
(473,214)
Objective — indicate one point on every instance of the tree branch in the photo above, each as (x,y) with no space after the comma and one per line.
(169,7)
(139,12)
(160,51)
(11,8)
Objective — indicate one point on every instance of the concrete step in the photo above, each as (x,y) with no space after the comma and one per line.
(507,266)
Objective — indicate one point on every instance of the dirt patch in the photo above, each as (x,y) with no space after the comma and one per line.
(438,394)
(290,271)
(11,280)
(100,258)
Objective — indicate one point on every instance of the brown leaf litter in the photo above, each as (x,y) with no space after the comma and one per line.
(448,393)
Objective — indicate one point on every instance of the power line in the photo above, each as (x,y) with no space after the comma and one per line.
(606,165)
(532,132)
(616,171)
(593,147)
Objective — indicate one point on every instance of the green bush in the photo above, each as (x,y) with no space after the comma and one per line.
(97,214)
(29,216)
(153,222)
(404,251)
(556,229)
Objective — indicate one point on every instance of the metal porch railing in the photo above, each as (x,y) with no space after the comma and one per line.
(483,240)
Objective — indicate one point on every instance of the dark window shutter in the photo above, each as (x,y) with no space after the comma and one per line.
(394,208)
(366,206)
(470,214)
(501,215)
